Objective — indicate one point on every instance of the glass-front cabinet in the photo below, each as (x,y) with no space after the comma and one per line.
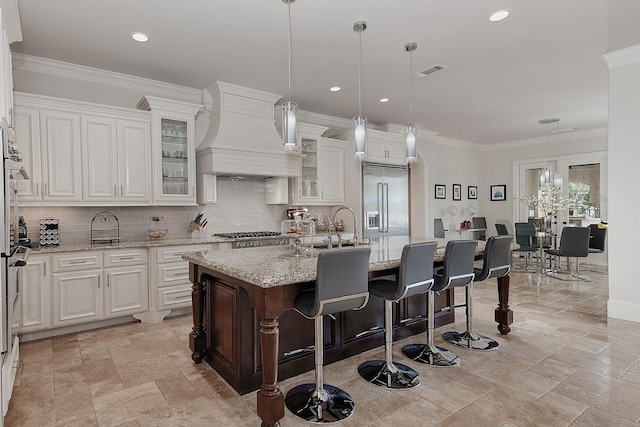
(173,150)
(321,180)
(309,178)
(175,157)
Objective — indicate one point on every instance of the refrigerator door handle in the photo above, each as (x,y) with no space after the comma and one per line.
(386,208)
(380,206)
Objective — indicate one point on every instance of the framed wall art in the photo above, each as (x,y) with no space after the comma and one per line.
(472,192)
(498,192)
(441,191)
(457,192)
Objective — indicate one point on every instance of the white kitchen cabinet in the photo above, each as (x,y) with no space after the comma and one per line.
(84,291)
(173,150)
(170,287)
(127,290)
(116,161)
(321,180)
(388,148)
(36,294)
(77,297)
(27,136)
(382,147)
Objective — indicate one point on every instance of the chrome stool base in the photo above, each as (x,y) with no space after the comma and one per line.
(331,405)
(472,341)
(434,356)
(397,375)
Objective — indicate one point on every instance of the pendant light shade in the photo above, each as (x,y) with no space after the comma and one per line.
(360,122)
(289,125)
(360,136)
(410,143)
(289,109)
(410,131)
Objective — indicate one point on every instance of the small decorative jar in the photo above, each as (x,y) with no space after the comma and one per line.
(156,227)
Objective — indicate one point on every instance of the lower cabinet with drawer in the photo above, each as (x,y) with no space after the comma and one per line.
(84,291)
(170,285)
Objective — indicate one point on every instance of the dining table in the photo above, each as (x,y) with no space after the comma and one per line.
(270,277)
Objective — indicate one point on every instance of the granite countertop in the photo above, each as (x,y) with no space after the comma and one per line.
(275,266)
(133,244)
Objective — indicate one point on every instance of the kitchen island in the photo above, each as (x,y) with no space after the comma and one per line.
(245,328)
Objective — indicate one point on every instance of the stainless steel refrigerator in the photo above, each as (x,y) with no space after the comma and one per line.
(385,200)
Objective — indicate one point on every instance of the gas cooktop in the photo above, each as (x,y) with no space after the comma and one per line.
(242,234)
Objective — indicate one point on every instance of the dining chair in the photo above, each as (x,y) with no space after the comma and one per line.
(525,238)
(480,222)
(501,229)
(597,241)
(438,228)
(574,243)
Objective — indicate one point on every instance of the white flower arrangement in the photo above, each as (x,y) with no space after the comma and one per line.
(550,201)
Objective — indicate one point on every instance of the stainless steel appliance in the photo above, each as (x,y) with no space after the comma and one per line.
(252,239)
(12,258)
(385,200)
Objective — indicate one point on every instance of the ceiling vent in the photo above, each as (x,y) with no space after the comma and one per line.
(430,70)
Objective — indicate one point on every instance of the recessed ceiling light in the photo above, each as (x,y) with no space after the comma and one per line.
(335,89)
(499,15)
(384,99)
(140,37)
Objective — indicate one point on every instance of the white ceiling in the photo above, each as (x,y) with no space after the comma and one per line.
(545,60)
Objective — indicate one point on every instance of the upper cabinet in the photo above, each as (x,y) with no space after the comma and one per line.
(173,150)
(82,154)
(321,180)
(382,147)
(116,161)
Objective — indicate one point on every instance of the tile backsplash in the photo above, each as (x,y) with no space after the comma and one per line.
(240,207)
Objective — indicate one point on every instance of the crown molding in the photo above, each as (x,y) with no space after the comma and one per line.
(56,68)
(542,141)
(11,20)
(620,58)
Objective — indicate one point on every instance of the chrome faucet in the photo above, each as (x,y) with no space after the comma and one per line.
(328,223)
(355,222)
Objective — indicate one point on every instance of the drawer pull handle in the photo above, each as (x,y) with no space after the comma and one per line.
(82,261)
(181,273)
(126,258)
(299,350)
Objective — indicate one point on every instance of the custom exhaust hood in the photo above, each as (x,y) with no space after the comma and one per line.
(242,139)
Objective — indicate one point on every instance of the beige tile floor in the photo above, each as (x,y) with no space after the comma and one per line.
(563,364)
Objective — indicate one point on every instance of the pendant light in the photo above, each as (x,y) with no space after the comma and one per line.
(557,176)
(410,131)
(289,109)
(546,176)
(360,122)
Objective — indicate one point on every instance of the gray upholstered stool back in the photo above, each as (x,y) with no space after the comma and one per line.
(525,234)
(416,270)
(341,283)
(574,242)
(458,265)
(497,258)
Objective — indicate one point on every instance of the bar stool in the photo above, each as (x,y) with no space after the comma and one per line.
(415,277)
(341,285)
(458,271)
(497,263)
